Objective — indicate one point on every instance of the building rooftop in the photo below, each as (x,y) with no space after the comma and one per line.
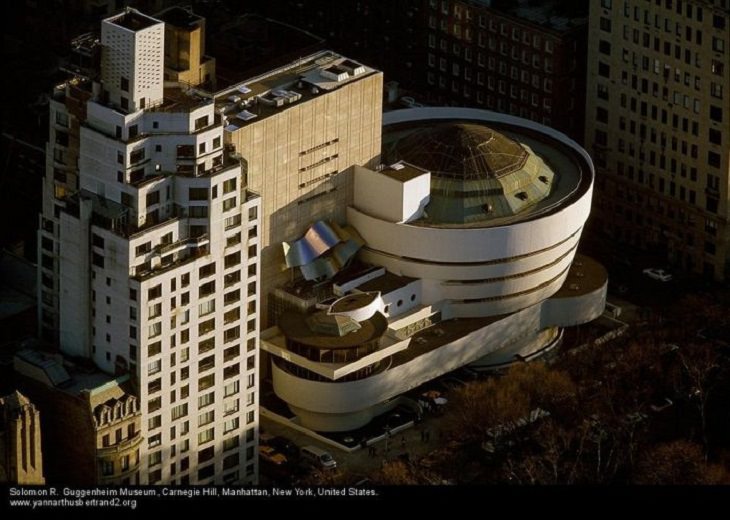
(179,99)
(462,150)
(133,20)
(270,93)
(551,14)
(403,171)
(386,283)
(486,173)
(181,18)
(66,376)
(249,45)
(585,276)
(297,327)
(440,334)
(352,302)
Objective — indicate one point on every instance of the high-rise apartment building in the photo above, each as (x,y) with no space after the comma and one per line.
(526,59)
(149,256)
(658,126)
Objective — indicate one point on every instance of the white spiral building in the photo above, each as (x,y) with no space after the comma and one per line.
(476,223)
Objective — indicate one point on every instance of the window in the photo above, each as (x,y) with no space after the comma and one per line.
(229,204)
(201,122)
(229,186)
(718,44)
(179,411)
(231,334)
(154,292)
(154,422)
(197,194)
(232,259)
(206,436)
(136,156)
(206,382)
(206,289)
(206,364)
(233,240)
(154,367)
(231,353)
(230,443)
(604,70)
(231,388)
(716,113)
(154,441)
(153,197)
(198,211)
(230,425)
(206,308)
(155,329)
(232,315)
(713,159)
(205,400)
(107,467)
(216,143)
(206,270)
(124,84)
(206,418)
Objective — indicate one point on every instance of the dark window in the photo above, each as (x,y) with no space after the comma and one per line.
(124,84)
(715,136)
(197,194)
(136,156)
(713,159)
(716,113)
(153,197)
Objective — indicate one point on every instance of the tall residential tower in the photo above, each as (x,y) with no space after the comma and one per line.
(149,256)
(658,127)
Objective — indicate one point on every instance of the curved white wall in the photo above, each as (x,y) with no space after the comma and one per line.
(331,406)
(576,310)
(361,313)
(504,305)
(473,271)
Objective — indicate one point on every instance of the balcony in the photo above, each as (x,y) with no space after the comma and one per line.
(127,444)
(187,255)
(180,245)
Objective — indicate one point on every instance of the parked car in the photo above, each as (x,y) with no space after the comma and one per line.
(285,446)
(269,454)
(318,458)
(657,274)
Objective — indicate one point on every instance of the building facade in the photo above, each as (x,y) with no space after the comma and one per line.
(21,455)
(150,258)
(301,129)
(658,127)
(91,420)
(524,59)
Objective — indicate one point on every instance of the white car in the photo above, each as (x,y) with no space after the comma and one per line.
(657,274)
